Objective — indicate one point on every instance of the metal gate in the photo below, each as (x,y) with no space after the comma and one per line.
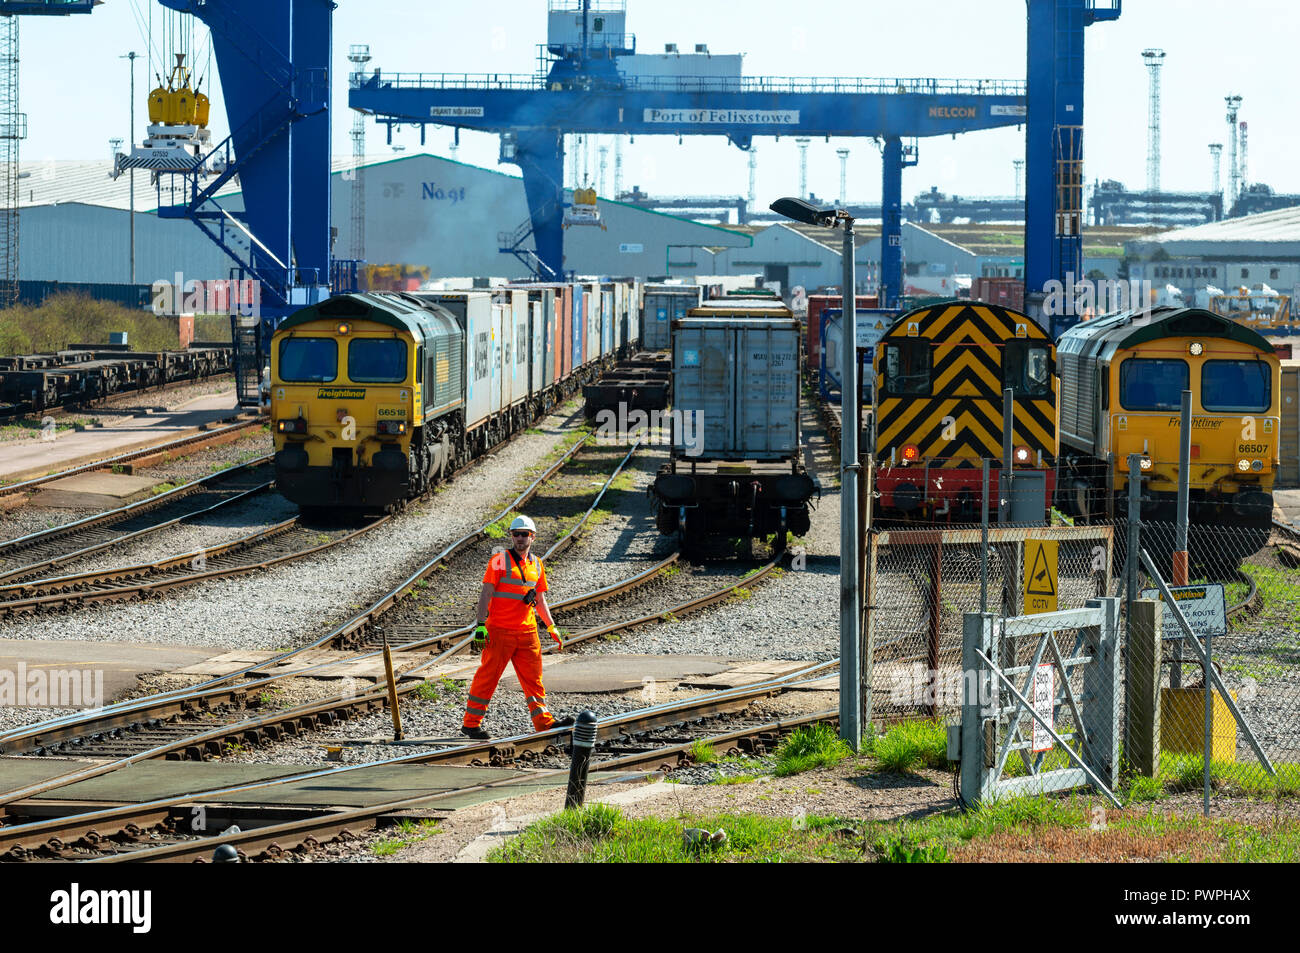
(1040,709)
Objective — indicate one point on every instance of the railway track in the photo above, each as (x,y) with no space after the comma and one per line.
(27,557)
(262,549)
(657,737)
(220,433)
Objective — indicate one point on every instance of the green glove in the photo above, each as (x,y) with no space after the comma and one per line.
(480,635)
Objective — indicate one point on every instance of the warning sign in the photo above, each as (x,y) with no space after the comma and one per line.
(1044,704)
(1040,576)
(1204,607)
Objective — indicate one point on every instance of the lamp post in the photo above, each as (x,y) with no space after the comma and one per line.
(851,594)
(130,144)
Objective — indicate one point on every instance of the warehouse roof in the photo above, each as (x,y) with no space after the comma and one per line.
(1282,225)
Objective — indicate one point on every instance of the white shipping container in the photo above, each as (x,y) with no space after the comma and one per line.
(738,378)
(663,305)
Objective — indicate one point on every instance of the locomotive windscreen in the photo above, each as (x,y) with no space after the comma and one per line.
(1236,386)
(308,360)
(377,361)
(1152,384)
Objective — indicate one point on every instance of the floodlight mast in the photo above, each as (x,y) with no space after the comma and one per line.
(851,595)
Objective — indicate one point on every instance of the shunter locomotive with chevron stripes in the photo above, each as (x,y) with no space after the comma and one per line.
(941,372)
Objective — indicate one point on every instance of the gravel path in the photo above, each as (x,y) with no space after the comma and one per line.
(291,604)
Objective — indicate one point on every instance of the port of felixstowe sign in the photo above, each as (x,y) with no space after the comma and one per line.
(731,117)
(1204,607)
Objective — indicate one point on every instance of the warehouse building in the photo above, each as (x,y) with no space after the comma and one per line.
(811,257)
(421,210)
(1250,252)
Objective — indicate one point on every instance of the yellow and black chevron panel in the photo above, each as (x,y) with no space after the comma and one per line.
(940,374)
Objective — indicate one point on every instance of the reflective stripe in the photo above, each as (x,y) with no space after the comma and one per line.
(521,596)
(481,701)
(475,709)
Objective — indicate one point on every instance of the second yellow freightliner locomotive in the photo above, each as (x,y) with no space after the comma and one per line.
(1122,378)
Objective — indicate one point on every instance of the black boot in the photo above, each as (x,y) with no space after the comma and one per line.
(477,733)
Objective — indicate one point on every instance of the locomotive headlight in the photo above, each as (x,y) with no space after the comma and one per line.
(1146,463)
(1196,349)
(344,328)
(1243,465)
(911,453)
(1022,454)
(292,425)
(1257,465)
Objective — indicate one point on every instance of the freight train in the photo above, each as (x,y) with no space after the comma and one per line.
(377,396)
(1122,378)
(941,373)
(735,467)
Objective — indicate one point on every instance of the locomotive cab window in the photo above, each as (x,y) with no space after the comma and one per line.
(377,361)
(1027,369)
(308,360)
(907,368)
(1236,386)
(1152,383)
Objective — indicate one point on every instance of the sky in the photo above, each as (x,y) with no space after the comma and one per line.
(75,92)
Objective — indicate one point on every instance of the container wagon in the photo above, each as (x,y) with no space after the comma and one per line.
(734,468)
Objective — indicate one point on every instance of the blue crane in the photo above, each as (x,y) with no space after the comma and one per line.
(584,91)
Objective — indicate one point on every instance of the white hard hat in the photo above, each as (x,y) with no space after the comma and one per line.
(523,522)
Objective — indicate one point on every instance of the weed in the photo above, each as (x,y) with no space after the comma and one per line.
(1144,789)
(905,848)
(427,691)
(702,752)
(670,571)
(163,488)
(721,778)
(814,746)
(909,744)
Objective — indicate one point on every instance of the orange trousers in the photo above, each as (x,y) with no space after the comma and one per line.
(522,649)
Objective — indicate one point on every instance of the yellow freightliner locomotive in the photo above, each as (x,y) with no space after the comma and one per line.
(1122,378)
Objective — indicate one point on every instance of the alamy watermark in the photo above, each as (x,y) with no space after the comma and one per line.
(51,687)
(175,297)
(682,428)
(1076,297)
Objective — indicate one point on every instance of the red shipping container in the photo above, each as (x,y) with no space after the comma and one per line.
(813,331)
(1004,292)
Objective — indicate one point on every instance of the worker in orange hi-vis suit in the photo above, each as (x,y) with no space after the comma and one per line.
(511,600)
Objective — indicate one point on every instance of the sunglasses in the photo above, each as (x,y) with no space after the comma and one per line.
(521,535)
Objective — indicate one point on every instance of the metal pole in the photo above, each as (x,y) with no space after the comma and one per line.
(1209,721)
(850,544)
(1005,481)
(984,535)
(130,144)
(1131,562)
(1184,489)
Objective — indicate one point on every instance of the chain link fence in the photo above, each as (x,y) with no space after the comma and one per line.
(925,583)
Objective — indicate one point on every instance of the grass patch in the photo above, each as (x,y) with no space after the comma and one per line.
(702,752)
(908,745)
(814,746)
(409,831)
(733,778)
(602,834)
(670,571)
(162,488)
(499,529)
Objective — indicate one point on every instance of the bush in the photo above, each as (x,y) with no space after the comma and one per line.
(74,318)
(812,747)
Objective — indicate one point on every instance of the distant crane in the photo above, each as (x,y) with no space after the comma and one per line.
(1243,167)
(844,175)
(1019,165)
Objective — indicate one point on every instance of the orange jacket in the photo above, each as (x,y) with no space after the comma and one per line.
(512,579)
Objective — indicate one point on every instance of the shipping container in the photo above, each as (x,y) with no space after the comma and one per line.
(663,304)
(812,328)
(872,324)
(738,379)
(1005,292)
(473,311)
